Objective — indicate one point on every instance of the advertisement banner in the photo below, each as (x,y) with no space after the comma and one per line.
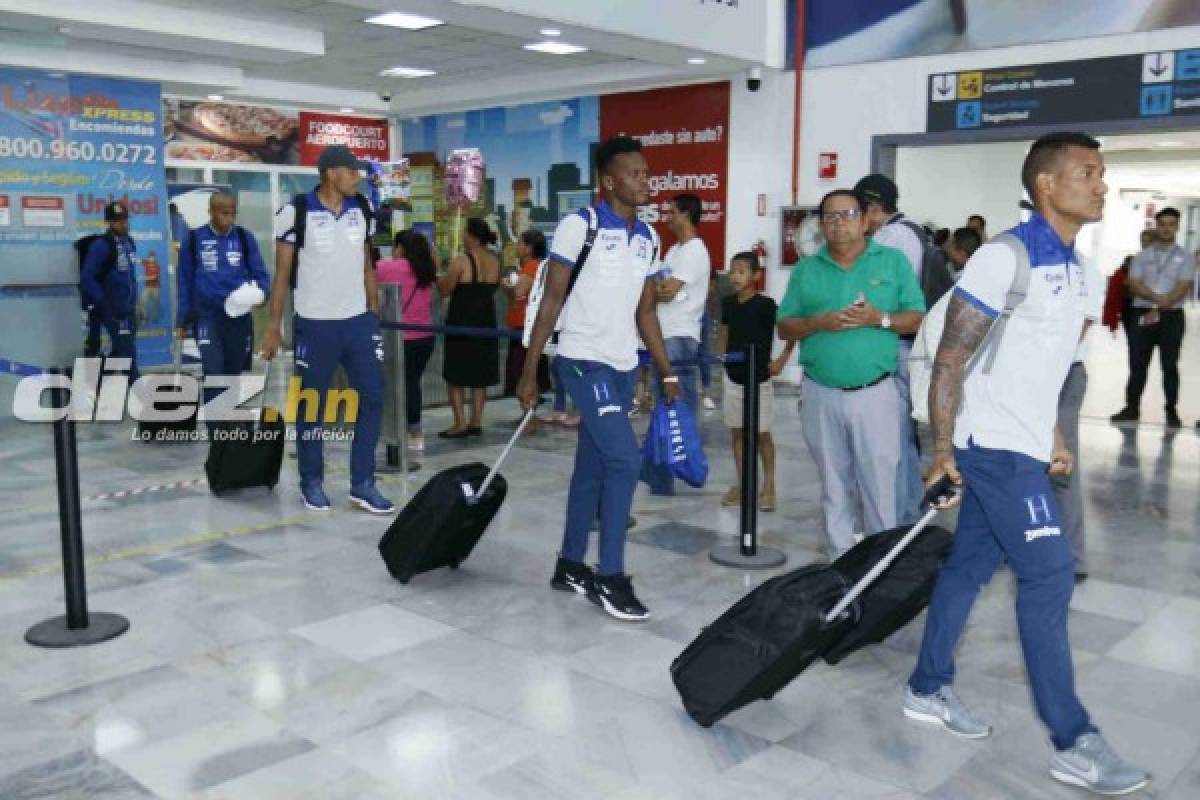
(1128,87)
(366,137)
(856,31)
(68,146)
(683,134)
(208,130)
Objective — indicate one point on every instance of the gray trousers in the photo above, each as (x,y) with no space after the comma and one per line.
(1068,491)
(854,438)
(909,488)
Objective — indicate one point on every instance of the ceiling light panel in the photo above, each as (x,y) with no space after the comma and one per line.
(555,48)
(409,22)
(407,72)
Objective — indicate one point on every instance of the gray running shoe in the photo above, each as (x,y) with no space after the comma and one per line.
(1093,764)
(944,708)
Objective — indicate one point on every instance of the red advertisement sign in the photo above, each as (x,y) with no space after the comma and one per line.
(366,137)
(683,131)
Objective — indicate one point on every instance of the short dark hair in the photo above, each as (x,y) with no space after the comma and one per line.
(1167,212)
(979,217)
(482,232)
(858,199)
(941,236)
(1046,151)
(535,240)
(968,240)
(689,204)
(616,146)
(749,257)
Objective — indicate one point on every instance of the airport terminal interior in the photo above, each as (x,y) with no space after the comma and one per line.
(269,653)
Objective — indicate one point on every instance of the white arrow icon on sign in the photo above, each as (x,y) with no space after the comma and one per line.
(1158,67)
(944,87)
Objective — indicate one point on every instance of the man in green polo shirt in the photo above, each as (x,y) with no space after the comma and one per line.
(846,305)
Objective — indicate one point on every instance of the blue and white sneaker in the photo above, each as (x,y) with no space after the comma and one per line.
(368,498)
(945,709)
(315,498)
(1093,764)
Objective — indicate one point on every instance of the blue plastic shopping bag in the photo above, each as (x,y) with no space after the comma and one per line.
(672,449)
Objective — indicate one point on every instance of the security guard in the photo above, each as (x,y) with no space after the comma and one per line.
(216,262)
(109,283)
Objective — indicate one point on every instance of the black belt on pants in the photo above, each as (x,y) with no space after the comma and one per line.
(875,382)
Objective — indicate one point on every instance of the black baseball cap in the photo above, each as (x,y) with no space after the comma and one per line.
(336,155)
(115,211)
(876,188)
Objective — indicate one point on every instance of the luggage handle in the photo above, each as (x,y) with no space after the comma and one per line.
(941,491)
(474,498)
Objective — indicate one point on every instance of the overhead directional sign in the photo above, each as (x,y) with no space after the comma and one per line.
(1158,84)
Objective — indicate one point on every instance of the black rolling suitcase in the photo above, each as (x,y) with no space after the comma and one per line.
(900,593)
(180,430)
(772,634)
(441,524)
(243,455)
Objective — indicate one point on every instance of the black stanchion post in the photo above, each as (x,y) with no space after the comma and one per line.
(747,553)
(77,627)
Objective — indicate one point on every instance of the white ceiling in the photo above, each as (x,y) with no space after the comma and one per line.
(478,56)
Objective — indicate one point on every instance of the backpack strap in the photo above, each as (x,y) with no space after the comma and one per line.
(1017,292)
(593,227)
(245,246)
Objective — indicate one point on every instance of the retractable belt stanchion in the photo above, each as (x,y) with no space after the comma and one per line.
(747,554)
(77,627)
(395,404)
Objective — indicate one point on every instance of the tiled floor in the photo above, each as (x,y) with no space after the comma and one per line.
(271,655)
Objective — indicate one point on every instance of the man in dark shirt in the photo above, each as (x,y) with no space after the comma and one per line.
(748,320)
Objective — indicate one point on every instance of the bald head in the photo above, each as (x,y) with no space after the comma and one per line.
(222,210)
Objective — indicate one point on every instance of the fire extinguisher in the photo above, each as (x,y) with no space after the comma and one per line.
(760,250)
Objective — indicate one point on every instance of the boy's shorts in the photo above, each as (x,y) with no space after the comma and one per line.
(731,404)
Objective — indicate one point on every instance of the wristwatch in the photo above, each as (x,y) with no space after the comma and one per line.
(886,321)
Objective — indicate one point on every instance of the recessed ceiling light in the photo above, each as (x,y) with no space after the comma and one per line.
(550,32)
(407,72)
(347,110)
(1170,143)
(409,22)
(555,48)
(697,60)
(216,97)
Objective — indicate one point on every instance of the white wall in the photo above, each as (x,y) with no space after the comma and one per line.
(943,185)
(845,106)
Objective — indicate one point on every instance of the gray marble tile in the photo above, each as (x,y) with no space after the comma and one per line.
(316,774)
(687,540)
(372,632)
(209,756)
(80,775)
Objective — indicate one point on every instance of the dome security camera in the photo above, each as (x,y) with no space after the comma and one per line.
(754,79)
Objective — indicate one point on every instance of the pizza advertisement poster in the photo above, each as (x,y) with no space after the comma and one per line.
(206,130)
(684,136)
(367,137)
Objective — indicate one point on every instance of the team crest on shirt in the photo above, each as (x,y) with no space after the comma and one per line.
(643,249)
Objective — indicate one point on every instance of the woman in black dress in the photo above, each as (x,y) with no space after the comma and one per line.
(471,281)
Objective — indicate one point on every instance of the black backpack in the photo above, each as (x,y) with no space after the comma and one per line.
(82,246)
(936,277)
(300,203)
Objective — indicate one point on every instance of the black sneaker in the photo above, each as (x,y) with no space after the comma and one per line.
(614,593)
(572,576)
(1173,420)
(1126,414)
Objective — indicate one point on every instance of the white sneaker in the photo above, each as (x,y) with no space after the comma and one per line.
(1093,764)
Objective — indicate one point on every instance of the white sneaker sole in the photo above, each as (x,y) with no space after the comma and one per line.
(1072,779)
(933,719)
(613,611)
(322,509)
(365,506)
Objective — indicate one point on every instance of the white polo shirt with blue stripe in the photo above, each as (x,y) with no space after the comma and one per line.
(598,320)
(330,266)
(1015,407)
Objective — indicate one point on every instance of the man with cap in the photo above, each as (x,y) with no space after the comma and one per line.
(888,227)
(221,277)
(323,239)
(108,281)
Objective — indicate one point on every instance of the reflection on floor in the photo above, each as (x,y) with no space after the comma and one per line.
(271,656)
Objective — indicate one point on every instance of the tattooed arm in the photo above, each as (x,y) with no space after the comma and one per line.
(966,327)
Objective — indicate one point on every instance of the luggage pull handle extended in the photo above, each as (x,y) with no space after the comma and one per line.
(941,491)
(473,498)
